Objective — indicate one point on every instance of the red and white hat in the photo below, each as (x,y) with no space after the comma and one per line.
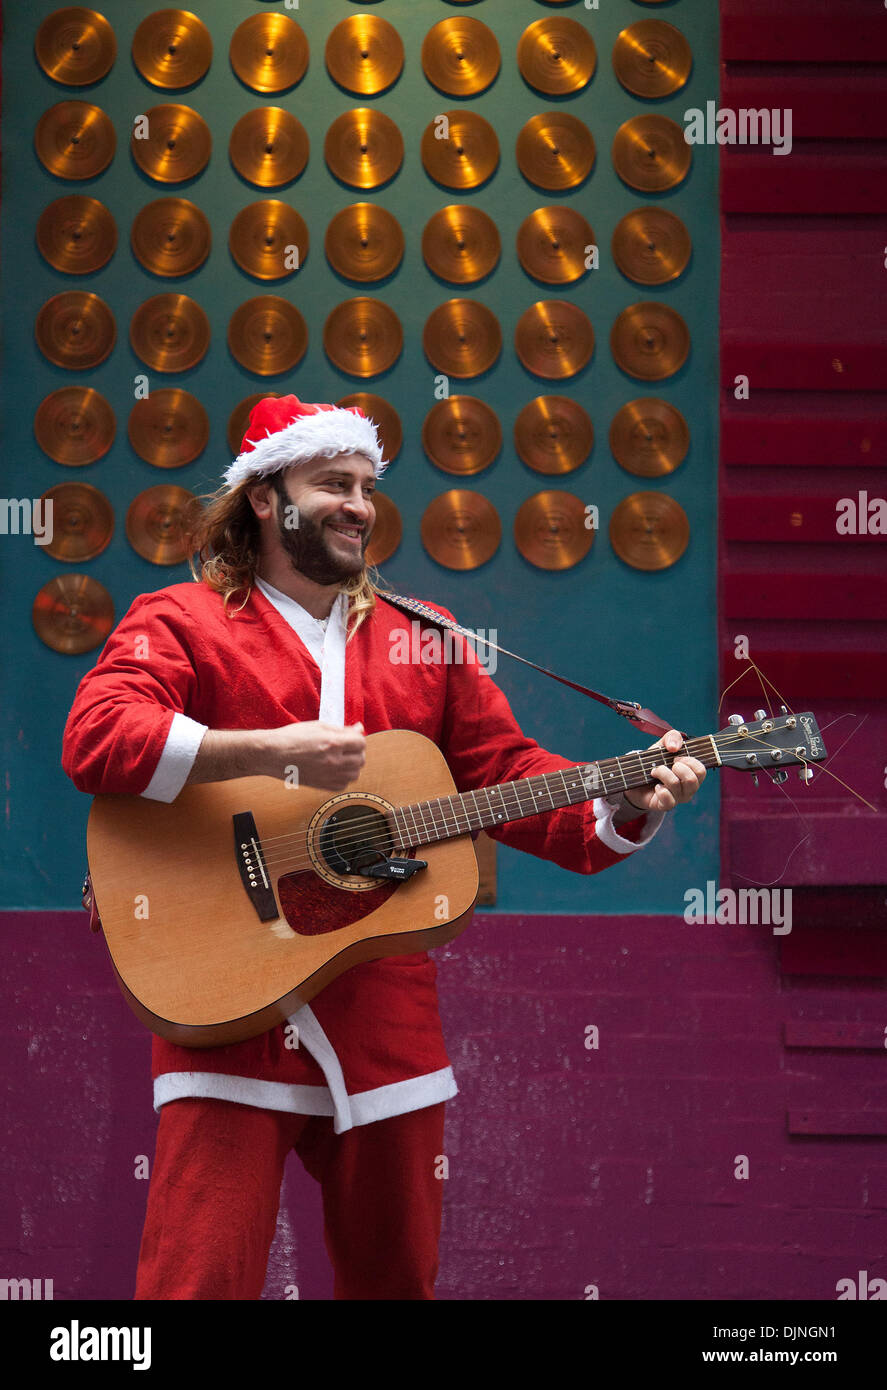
(284,431)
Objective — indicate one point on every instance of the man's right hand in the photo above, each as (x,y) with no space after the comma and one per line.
(326,755)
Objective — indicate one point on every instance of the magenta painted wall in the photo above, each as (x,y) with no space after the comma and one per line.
(569,1166)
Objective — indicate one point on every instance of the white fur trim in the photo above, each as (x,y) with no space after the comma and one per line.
(322,435)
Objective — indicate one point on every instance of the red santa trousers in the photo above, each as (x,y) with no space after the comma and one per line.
(215,1191)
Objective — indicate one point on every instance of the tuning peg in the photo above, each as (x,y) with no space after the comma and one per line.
(781,775)
(755,778)
(760,714)
(805,774)
(736,719)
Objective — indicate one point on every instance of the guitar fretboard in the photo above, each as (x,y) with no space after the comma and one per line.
(424,822)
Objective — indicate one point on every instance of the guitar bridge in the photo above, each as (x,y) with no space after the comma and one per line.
(252,868)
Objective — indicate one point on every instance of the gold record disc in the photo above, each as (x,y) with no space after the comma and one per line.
(461,529)
(650,341)
(172,48)
(387,530)
(262,237)
(178,144)
(652,58)
(76,234)
(651,246)
(363,336)
(169,332)
(553,434)
(554,339)
(467,156)
(550,530)
(557,56)
(383,416)
(649,437)
(462,435)
(170,236)
(269,147)
(267,335)
(238,420)
(461,244)
(552,245)
(460,56)
(651,154)
(168,428)
(364,54)
(75,140)
(364,242)
(157,523)
(82,521)
(269,52)
(555,151)
(73,613)
(462,338)
(363,148)
(75,425)
(649,530)
(75,329)
(75,46)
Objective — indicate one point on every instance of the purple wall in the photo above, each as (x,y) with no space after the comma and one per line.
(568,1166)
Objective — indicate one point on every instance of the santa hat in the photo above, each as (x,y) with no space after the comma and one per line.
(284,431)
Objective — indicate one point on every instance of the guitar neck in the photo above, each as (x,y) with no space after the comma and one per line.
(425,822)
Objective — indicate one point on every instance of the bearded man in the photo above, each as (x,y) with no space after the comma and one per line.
(280,657)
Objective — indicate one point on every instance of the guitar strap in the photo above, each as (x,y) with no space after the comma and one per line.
(643,719)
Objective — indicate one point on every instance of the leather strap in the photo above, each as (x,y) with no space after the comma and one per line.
(643,719)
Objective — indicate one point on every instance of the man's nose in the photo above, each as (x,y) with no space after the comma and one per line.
(358,506)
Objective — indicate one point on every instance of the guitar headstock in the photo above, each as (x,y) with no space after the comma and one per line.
(771,741)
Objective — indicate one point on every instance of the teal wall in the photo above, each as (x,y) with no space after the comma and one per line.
(649,637)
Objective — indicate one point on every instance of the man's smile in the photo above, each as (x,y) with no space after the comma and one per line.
(352,533)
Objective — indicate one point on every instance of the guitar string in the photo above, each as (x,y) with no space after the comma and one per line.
(652,754)
(275,857)
(345,842)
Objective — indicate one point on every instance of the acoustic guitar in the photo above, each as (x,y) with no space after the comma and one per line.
(227,909)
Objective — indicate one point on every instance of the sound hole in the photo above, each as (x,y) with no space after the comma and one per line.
(353,838)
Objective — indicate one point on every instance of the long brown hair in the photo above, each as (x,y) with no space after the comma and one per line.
(224,542)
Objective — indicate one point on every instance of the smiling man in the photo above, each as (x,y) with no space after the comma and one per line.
(280,656)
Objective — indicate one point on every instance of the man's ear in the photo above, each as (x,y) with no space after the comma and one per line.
(261,498)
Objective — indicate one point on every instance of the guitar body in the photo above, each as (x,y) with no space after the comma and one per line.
(195,961)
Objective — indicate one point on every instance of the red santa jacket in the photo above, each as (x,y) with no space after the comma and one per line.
(371,1043)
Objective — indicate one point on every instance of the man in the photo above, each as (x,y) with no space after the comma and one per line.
(280,656)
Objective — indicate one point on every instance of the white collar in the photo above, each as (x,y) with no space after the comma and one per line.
(293,609)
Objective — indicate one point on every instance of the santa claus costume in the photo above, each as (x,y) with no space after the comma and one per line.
(361,1097)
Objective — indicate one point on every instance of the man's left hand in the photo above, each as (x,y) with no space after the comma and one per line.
(678,783)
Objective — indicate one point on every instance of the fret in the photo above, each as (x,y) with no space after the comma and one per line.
(434,819)
(644,774)
(443,812)
(400,831)
(517,796)
(566,788)
(477,811)
(415,839)
(486,793)
(419,805)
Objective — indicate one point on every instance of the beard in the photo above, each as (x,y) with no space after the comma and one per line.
(310,550)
